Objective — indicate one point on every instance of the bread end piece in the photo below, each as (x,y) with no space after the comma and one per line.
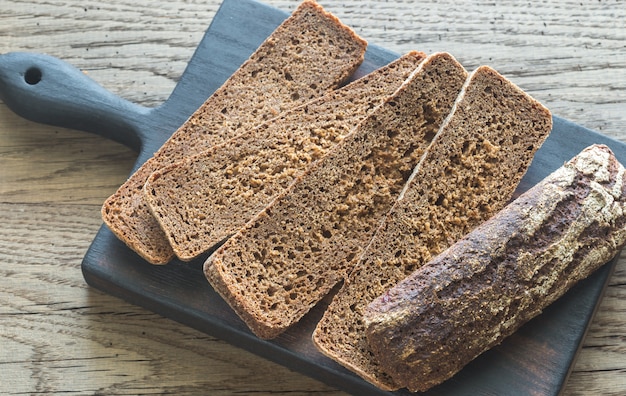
(505,272)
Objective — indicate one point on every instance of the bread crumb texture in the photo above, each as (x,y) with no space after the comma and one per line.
(505,272)
(306,241)
(309,54)
(468,173)
(206,198)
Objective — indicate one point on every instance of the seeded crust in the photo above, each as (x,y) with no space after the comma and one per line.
(206,198)
(487,285)
(468,173)
(294,252)
(309,54)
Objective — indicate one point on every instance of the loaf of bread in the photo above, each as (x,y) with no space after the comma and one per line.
(505,272)
(206,198)
(297,249)
(469,172)
(306,56)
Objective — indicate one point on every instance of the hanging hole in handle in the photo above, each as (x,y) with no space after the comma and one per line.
(32,75)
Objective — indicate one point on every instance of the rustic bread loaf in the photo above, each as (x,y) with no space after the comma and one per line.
(203,199)
(505,272)
(467,174)
(306,56)
(294,252)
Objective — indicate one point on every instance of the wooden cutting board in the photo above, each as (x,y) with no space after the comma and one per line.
(535,360)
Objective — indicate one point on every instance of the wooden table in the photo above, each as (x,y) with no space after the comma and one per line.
(57,335)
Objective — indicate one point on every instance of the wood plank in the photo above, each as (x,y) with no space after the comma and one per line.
(57,333)
(49,164)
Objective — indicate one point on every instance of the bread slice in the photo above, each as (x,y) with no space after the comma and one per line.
(468,173)
(309,54)
(505,272)
(206,198)
(294,252)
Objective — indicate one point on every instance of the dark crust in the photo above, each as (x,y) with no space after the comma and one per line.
(482,289)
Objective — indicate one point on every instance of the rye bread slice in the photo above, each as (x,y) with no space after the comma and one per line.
(203,199)
(309,54)
(469,172)
(294,252)
(483,288)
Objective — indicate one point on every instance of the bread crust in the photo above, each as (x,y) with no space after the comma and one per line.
(505,272)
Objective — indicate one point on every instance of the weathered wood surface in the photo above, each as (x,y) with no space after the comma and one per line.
(59,336)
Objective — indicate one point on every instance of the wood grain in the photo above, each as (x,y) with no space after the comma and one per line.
(57,335)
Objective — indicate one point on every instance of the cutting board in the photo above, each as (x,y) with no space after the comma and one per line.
(535,360)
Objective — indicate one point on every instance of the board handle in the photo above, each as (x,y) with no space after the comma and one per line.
(47,90)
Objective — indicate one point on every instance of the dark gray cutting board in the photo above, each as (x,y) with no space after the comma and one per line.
(535,360)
